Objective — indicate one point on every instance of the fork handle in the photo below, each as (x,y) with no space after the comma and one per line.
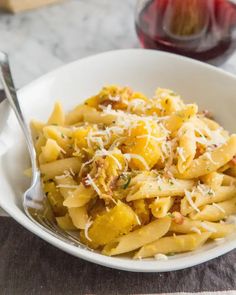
(11,95)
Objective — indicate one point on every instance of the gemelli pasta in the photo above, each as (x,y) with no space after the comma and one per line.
(147,177)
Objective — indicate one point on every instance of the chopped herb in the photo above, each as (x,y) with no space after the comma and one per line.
(125,186)
(171,182)
(54,124)
(210,193)
(159,187)
(170,215)
(208,169)
(62,135)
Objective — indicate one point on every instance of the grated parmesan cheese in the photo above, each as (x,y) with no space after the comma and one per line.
(61,150)
(86,229)
(204,189)
(202,140)
(160,256)
(115,129)
(208,227)
(216,138)
(218,207)
(196,230)
(71,172)
(209,157)
(158,139)
(163,128)
(93,184)
(188,196)
(114,98)
(66,174)
(104,152)
(101,137)
(85,164)
(116,143)
(137,219)
(201,134)
(180,151)
(135,103)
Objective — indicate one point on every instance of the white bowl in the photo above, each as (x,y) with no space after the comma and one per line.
(143,70)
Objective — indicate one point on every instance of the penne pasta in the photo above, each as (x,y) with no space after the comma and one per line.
(187,147)
(161,206)
(175,121)
(62,135)
(36,128)
(130,173)
(215,212)
(50,170)
(211,161)
(76,115)
(136,239)
(222,194)
(164,188)
(79,216)
(216,229)
(51,151)
(93,116)
(214,180)
(74,195)
(79,197)
(57,117)
(176,244)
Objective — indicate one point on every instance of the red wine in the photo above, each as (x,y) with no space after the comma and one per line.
(205,31)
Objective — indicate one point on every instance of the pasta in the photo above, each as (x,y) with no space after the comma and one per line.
(136,175)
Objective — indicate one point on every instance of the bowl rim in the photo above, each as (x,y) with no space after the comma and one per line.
(115,262)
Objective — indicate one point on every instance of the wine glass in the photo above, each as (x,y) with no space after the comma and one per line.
(201,29)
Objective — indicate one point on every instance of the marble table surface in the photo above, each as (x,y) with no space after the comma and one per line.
(41,40)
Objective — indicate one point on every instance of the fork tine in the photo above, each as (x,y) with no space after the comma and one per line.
(55,229)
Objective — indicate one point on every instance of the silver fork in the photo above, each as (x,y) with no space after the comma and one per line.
(35,202)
